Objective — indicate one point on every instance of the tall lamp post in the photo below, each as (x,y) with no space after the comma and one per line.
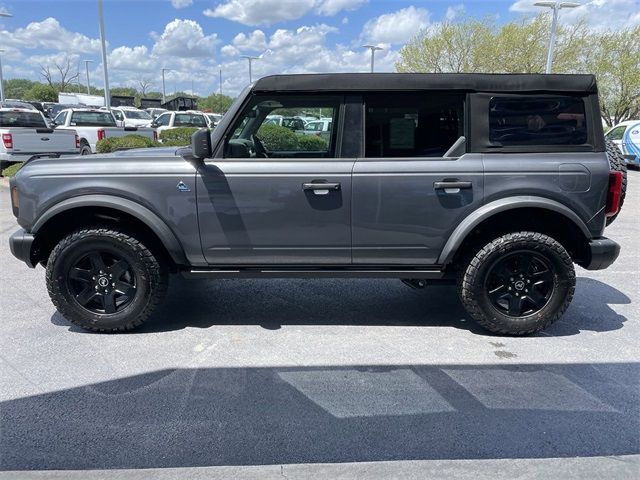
(164,95)
(107,95)
(220,79)
(556,7)
(2,14)
(86,67)
(251,59)
(373,49)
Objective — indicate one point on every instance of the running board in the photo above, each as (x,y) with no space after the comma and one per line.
(312,273)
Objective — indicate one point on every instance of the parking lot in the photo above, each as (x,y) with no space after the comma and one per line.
(330,378)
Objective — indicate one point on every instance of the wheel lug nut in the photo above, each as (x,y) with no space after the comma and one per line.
(526,291)
(93,278)
(511,279)
(517,294)
(96,287)
(113,284)
(508,288)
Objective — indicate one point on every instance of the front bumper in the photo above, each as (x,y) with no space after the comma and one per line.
(603,253)
(21,244)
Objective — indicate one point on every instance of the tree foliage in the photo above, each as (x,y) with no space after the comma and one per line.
(216,103)
(475,46)
(41,93)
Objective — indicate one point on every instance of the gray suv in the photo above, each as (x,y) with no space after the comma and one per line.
(495,183)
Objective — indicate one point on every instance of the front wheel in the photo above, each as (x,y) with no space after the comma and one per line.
(517,284)
(105,280)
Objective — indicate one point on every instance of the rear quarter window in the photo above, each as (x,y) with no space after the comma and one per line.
(537,120)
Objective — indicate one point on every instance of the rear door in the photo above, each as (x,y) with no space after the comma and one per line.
(407,196)
(275,196)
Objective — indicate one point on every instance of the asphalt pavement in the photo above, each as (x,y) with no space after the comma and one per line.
(322,379)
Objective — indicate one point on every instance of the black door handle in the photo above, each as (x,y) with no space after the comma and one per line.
(452,184)
(321,186)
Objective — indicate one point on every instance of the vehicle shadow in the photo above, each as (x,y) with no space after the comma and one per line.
(277,302)
(283,415)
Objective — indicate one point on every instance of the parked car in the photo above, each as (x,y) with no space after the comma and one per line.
(26,134)
(188,118)
(131,117)
(93,125)
(155,112)
(320,128)
(292,123)
(626,136)
(17,104)
(213,119)
(499,183)
(56,108)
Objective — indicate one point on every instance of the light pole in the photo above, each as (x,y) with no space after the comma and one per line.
(86,67)
(220,79)
(373,49)
(556,7)
(2,14)
(1,81)
(107,95)
(251,59)
(164,95)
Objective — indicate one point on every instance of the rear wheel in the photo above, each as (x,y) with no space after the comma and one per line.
(105,280)
(85,149)
(517,284)
(617,163)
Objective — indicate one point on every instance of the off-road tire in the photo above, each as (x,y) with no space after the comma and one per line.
(618,164)
(151,276)
(474,296)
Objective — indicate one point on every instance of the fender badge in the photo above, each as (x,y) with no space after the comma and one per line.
(181,187)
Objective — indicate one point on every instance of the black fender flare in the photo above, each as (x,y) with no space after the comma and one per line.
(502,205)
(140,212)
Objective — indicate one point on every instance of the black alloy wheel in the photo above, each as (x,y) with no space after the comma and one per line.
(102,282)
(519,284)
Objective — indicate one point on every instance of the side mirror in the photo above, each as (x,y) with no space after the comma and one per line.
(201,143)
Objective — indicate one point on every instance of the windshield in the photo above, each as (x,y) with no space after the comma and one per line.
(22,119)
(92,119)
(136,114)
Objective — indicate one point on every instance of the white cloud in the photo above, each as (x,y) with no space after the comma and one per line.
(181,3)
(396,27)
(269,12)
(135,59)
(454,11)
(255,41)
(184,38)
(49,35)
(332,7)
(599,14)
(261,12)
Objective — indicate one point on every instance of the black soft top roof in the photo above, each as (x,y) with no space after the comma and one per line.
(470,82)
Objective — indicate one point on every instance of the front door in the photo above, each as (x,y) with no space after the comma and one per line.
(277,195)
(407,195)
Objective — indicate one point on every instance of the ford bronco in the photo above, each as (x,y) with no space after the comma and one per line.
(496,183)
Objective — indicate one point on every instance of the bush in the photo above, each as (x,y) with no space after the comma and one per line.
(128,141)
(312,143)
(11,170)
(277,138)
(177,137)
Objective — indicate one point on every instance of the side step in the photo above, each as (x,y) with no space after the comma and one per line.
(431,274)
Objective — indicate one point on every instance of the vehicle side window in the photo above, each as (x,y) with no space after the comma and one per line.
(416,125)
(616,134)
(189,120)
(118,114)
(163,120)
(271,127)
(60,118)
(537,120)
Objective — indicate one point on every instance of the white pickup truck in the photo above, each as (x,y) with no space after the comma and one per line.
(93,125)
(25,134)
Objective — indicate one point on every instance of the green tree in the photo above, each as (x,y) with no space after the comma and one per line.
(614,57)
(41,93)
(16,87)
(216,103)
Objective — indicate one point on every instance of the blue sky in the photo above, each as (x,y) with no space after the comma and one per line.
(193,37)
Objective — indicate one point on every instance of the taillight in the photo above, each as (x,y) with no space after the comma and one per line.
(614,193)
(155,136)
(77,141)
(101,134)
(7,139)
